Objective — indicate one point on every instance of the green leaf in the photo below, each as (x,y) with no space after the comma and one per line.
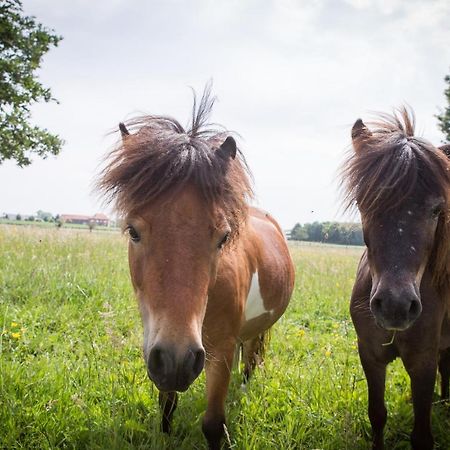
(23,43)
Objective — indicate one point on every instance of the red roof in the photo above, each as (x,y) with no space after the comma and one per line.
(74,217)
(100,216)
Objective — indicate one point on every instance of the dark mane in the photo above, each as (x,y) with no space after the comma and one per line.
(159,157)
(392,164)
(388,165)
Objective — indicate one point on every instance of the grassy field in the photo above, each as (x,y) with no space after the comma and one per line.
(72,374)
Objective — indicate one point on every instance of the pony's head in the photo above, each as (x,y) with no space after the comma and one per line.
(183,195)
(400,184)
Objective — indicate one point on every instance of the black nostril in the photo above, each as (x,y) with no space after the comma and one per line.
(376,304)
(194,362)
(155,357)
(156,361)
(199,361)
(415,308)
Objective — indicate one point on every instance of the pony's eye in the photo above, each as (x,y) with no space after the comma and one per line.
(436,212)
(224,240)
(134,236)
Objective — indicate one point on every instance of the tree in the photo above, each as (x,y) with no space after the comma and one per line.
(444,118)
(299,233)
(330,232)
(44,215)
(23,42)
(314,231)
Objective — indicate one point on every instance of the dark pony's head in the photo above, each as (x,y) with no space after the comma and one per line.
(183,194)
(400,184)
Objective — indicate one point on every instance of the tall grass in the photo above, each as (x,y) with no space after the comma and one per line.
(72,374)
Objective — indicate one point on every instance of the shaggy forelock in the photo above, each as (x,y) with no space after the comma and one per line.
(391,164)
(160,157)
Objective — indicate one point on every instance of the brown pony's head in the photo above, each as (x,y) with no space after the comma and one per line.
(184,196)
(400,184)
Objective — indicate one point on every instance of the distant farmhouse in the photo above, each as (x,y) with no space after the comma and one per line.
(97,219)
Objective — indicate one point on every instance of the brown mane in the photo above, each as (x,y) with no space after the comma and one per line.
(388,164)
(159,157)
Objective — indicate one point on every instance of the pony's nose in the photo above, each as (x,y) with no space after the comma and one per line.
(171,372)
(396,312)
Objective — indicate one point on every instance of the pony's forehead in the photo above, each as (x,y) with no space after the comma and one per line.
(416,205)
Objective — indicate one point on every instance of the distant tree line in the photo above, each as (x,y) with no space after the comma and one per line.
(330,232)
(42,216)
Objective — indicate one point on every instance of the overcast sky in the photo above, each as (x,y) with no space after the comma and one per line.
(291,77)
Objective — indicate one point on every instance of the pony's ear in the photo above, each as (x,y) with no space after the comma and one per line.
(446,149)
(360,133)
(123,130)
(228,148)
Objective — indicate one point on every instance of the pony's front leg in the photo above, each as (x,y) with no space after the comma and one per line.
(167,403)
(422,371)
(375,372)
(218,373)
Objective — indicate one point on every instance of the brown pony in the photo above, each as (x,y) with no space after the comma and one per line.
(210,273)
(400,302)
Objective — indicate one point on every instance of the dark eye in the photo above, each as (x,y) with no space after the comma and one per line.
(224,240)
(134,236)
(436,212)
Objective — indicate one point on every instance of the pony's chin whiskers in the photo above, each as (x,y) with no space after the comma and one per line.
(209,357)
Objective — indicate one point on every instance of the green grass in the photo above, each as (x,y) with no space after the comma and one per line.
(72,374)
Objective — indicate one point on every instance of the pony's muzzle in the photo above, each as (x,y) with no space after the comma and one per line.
(171,371)
(395,311)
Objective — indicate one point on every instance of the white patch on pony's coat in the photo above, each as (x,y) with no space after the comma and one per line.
(254,306)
